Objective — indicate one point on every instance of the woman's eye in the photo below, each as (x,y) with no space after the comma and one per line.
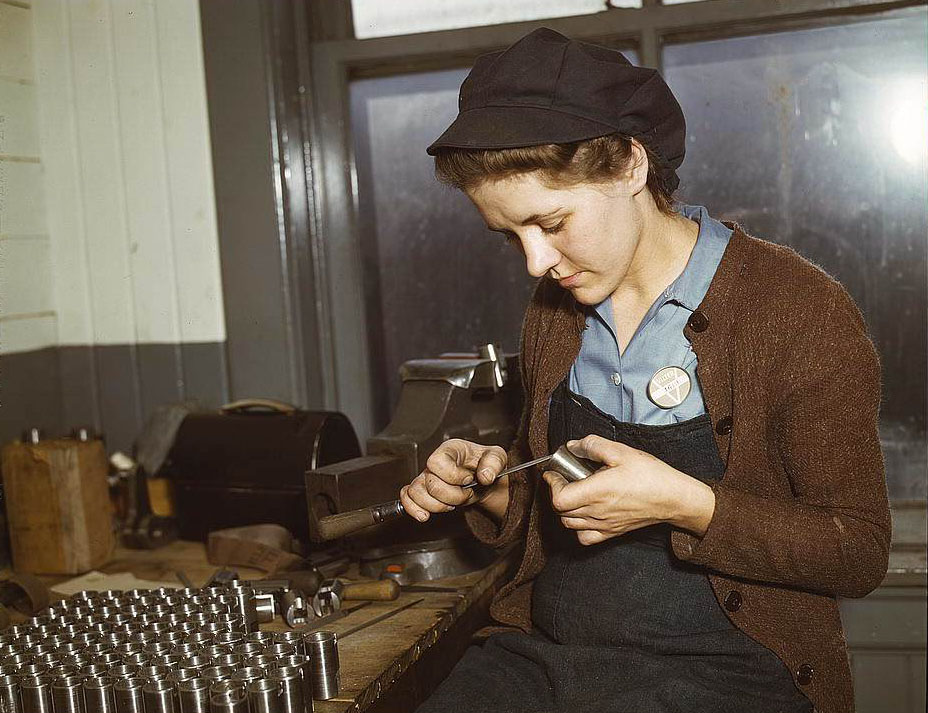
(554,229)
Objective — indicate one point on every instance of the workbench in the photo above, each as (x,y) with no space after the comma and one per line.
(391,665)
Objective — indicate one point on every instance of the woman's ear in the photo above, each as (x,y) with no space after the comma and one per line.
(637,173)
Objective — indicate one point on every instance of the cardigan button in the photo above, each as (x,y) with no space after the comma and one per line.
(733,600)
(698,321)
(723,427)
(804,675)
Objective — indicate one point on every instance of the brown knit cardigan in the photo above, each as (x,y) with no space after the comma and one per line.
(791,382)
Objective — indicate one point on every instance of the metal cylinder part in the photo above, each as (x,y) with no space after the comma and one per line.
(122,670)
(247,674)
(99,696)
(322,649)
(159,697)
(128,695)
(264,696)
(227,697)
(193,695)
(295,692)
(214,674)
(9,694)
(68,694)
(569,465)
(36,694)
(262,660)
(265,607)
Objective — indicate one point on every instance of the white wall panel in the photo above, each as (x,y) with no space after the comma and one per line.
(15,42)
(101,175)
(25,276)
(23,334)
(124,136)
(18,133)
(58,141)
(148,207)
(190,170)
(23,206)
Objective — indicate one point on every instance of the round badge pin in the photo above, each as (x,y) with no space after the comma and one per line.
(669,386)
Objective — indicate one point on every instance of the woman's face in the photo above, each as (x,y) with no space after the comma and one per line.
(584,236)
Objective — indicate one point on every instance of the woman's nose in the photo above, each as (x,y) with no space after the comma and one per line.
(540,256)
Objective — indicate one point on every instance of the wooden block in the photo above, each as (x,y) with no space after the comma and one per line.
(58,506)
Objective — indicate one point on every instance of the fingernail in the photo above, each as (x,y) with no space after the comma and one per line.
(468,479)
(485,472)
(422,518)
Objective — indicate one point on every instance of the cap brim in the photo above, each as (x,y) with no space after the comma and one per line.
(505,127)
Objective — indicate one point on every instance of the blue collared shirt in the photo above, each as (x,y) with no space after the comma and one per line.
(618,383)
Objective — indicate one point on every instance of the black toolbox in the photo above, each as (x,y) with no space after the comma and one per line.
(244,464)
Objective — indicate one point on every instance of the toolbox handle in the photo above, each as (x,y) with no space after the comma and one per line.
(255,404)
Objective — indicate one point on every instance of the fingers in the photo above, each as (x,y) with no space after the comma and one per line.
(411,507)
(450,462)
(492,462)
(599,449)
(568,497)
(451,465)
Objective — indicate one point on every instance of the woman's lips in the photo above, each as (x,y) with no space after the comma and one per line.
(569,281)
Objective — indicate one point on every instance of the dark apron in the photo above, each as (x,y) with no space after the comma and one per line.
(623,626)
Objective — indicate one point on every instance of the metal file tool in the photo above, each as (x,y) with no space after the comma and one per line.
(561,461)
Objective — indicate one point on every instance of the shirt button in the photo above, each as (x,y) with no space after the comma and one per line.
(698,321)
(616,378)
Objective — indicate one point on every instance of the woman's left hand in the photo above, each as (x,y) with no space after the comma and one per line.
(633,490)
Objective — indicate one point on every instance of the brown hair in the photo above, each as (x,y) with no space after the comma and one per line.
(590,161)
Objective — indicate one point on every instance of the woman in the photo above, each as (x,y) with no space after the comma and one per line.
(727,386)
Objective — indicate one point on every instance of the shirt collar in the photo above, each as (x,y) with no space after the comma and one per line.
(692,284)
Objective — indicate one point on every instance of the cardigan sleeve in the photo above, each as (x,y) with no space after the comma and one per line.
(521,489)
(832,535)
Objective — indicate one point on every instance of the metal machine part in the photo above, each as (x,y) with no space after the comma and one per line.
(294,608)
(265,607)
(322,647)
(227,697)
(99,696)
(329,597)
(406,564)
(193,695)
(476,397)
(150,651)
(264,696)
(293,695)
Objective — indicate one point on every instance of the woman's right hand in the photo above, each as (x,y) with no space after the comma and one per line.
(453,464)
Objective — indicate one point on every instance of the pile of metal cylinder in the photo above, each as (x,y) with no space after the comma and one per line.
(162,651)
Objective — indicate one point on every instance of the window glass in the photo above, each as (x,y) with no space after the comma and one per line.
(376,18)
(817,139)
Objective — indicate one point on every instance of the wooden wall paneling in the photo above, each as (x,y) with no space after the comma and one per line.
(141,150)
(101,173)
(25,276)
(61,159)
(18,133)
(193,226)
(24,199)
(15,42)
